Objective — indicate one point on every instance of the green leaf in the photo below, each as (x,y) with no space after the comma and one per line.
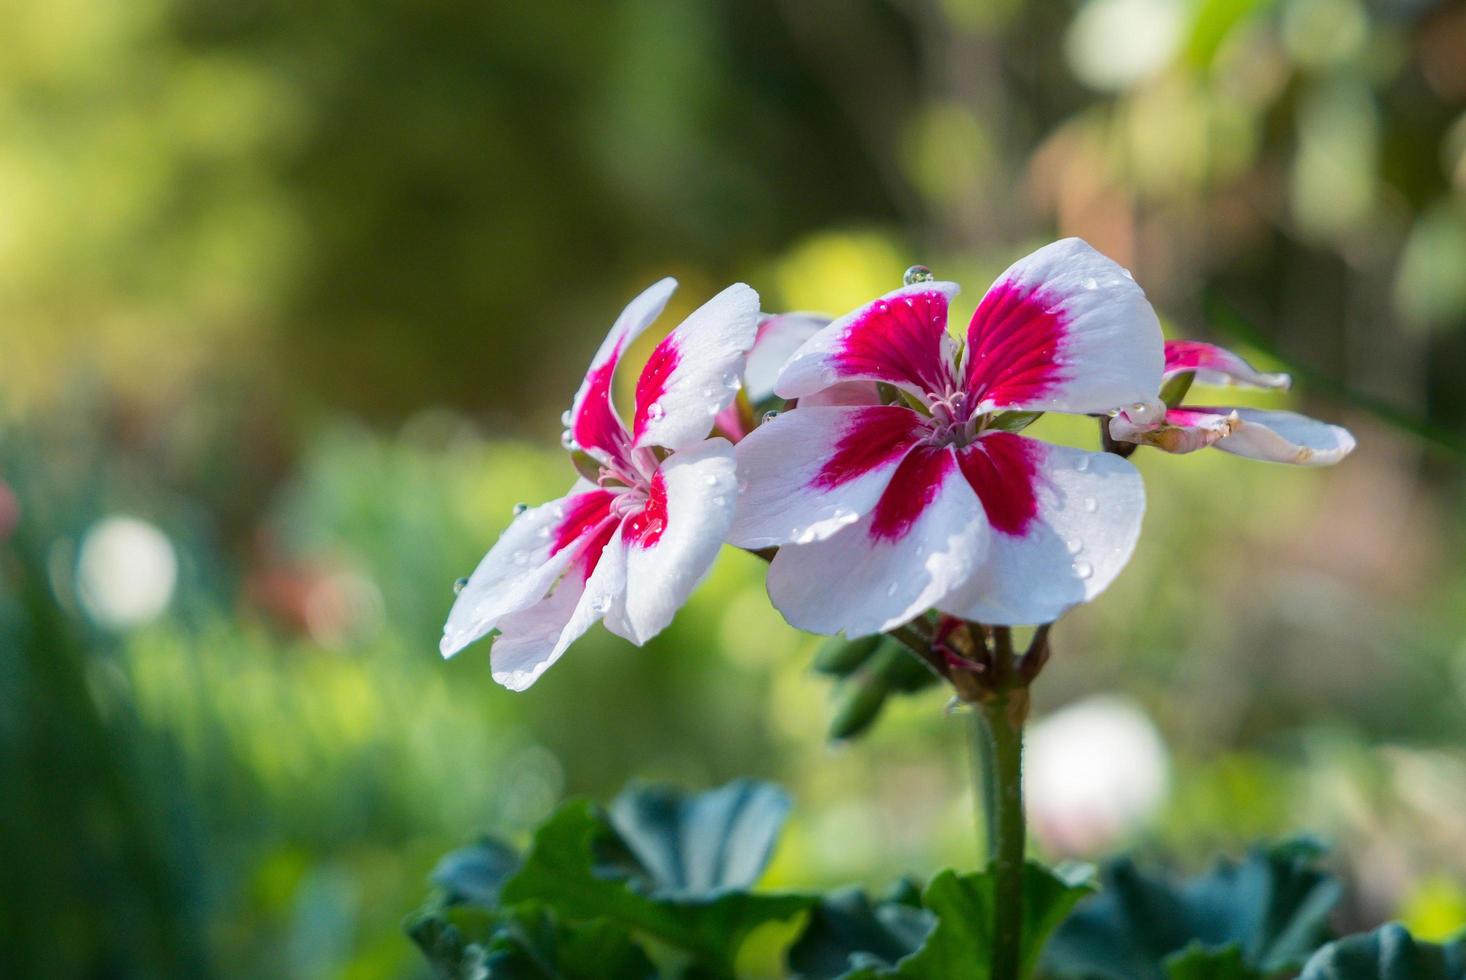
(561,870)
(1388,953)
(1198,962)
(838,656)
(959,943)
(1273,906)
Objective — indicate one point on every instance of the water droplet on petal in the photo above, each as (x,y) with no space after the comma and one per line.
(720,501)
(1074,545)
(568,441)
(600,604)
(1090,505)
(916,274)
(712,480)
(521,558)
(655,411)
(566,418)
(1083,569)
(891,589)
(1082,464)
(520,509)
(1091,283)
(459,585)
(770,416)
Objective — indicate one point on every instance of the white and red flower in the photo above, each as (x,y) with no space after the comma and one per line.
(629,548)
(881,512)
(1279,437)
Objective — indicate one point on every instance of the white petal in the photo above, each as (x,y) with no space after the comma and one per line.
(533,639)
(594,424)
(695,372)
(862,581)
(900,338)
(811,471)
(778,338)
(1077,539)
(1287,437)
(1215,365)
(518,570)
(1065,330)
(700,487)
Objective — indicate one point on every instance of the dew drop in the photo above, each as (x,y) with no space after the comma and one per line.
(1082,464)
(568,441)
(600,604)
(655,411)
(520,508)
(1083,569)
(459,585)
(521,558)
(1090,505)
(1074,545)
(891,589)
(1091,283)
(566,418)
(712,480)
(916,274)
(720,501)
(1143,412)
(770,416)
(708,392)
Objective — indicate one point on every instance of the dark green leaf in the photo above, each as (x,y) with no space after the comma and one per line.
(476,873)
(534,944)
(846,930)
(1198,962)
(698,844)
(560,870)
(1388,953)
(1273,906)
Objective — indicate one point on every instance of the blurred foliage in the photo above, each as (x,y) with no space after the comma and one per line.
(306,287)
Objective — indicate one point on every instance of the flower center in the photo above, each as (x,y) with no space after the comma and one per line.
(951,422)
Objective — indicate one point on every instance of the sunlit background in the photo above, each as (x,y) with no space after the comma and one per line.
(292,296)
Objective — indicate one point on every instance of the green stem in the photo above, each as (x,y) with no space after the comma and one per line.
(1002,716)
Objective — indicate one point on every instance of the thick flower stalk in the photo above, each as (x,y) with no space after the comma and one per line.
(882,511)
(1277,437)
(631,545)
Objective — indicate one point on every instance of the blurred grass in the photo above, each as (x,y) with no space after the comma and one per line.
(308,287)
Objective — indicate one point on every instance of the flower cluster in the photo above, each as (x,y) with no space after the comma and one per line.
(896,479)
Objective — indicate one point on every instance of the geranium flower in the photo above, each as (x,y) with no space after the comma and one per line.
(884,511)
(1279,437)
(630,547)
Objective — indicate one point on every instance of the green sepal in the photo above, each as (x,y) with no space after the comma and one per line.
(838,656)
(1013,421)
(1176,388)
(586,465)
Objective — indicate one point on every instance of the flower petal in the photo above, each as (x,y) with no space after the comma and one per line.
(522,565)
(811,471)
(532,639)
(694,373)
(1064,524)
(1286,437)
(1214,365)
(778,338)
(670,546)
(900,338)
(925,537)
(594,424)
(1184,430)
(1065,330)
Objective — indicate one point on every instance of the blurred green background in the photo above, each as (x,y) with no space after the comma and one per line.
(293,295)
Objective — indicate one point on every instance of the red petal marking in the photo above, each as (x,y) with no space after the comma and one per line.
(1189,355)
(1002,468)
(913,487)
(653,382)
(1192,416)
(1013,343)
(898,340)
(644,528)
(595,543)
(583,512)
(874,436)
(596,425)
